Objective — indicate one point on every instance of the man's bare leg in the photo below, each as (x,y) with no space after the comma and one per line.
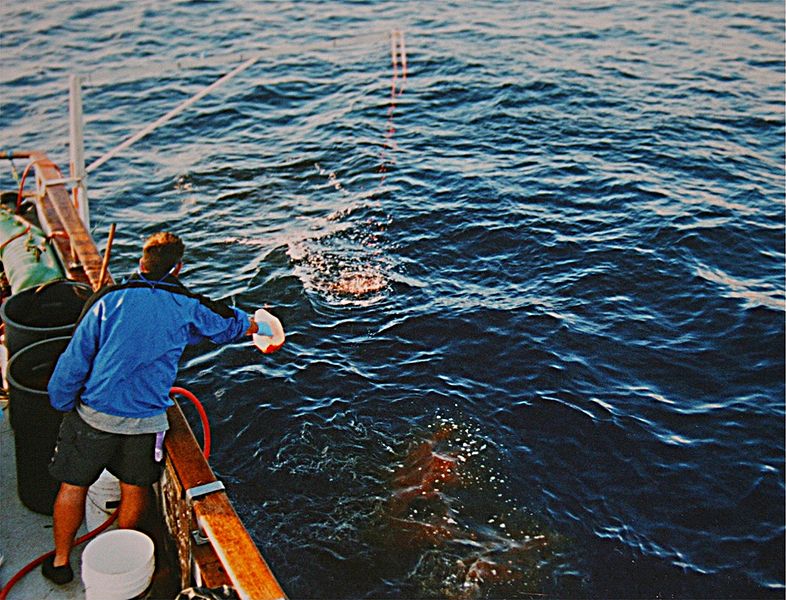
(69,511)
(133,502)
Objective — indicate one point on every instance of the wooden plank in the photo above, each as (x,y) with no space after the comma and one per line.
(210,572)
(178,520)
(50,221)
(184,452)
(251,578)
(56,209)
(216,518)
(181,520)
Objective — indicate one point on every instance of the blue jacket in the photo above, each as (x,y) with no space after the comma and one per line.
(123,357)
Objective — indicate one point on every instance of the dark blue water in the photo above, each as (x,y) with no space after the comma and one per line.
(534,290)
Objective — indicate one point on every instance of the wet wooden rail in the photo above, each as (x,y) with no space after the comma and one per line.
(235,559)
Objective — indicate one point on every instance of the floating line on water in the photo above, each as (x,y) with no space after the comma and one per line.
(398,56)
(186,104)
(171,114)
(352,274)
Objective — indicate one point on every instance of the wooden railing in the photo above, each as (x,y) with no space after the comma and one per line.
(231,556)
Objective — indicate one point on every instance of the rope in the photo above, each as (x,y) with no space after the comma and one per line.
(22,184)
(171,114)
(25,173)
(398,58)
(24,232)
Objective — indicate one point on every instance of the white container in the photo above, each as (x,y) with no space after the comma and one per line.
(102,499)
(117,565)
(268,323)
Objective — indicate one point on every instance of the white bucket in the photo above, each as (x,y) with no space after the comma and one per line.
(266,321)
(102,500)
(117,565)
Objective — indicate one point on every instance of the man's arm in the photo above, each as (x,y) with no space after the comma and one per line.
(75,364)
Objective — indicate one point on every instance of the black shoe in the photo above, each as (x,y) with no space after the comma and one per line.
(58,575)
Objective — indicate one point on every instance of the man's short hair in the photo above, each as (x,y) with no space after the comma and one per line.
(161,252)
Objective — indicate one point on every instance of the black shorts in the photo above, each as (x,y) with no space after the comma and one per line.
(83,451)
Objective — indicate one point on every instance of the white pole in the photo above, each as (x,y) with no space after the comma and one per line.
(77,149)
(172,113)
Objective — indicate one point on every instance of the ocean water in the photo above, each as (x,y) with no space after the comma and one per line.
(529,257)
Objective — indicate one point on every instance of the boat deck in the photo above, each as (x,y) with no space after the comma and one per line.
(26,535)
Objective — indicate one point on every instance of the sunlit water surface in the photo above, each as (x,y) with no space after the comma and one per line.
(529,257)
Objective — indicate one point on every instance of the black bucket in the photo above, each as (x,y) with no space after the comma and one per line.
(36,424)
(43,312)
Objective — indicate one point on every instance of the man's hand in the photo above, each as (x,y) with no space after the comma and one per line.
(253,327)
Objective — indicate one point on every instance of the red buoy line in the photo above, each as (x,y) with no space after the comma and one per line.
(398,58)
(106,524)
(398,80)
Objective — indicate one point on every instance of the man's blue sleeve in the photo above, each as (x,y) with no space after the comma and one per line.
(74,365)
(218,329)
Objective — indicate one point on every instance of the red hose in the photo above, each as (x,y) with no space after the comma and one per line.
(22,188)
(32,565)
(202,416)
(91,534)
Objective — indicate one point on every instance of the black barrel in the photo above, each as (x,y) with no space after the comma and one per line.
(35,422)
(43,312)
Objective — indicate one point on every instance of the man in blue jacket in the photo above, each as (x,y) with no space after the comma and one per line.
(113,381)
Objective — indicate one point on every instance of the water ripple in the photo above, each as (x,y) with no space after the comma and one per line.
(559,240)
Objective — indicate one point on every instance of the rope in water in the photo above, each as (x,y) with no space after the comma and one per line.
(398,58)
(171,114)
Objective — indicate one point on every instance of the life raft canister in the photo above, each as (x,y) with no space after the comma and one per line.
(28,258)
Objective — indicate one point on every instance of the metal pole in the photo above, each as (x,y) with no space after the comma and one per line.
(77,149)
